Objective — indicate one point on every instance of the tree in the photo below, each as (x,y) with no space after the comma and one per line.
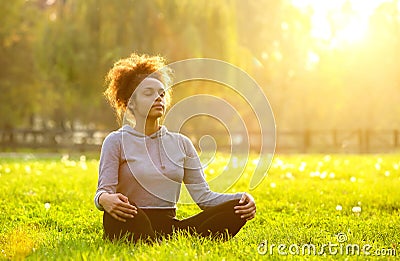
(19,87)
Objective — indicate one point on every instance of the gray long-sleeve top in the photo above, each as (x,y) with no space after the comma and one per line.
(149,170)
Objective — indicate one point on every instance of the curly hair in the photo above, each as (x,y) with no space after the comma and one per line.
(127,73)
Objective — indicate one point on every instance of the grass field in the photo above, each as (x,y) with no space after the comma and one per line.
(309,206)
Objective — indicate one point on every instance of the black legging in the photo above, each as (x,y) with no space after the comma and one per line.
(149,224)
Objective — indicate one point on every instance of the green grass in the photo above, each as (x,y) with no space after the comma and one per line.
(297,204)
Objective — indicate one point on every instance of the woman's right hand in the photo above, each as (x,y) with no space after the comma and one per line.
(118,206)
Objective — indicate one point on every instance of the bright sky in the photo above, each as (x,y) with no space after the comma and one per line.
(340,21)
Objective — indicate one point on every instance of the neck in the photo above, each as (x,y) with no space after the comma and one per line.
(148,126)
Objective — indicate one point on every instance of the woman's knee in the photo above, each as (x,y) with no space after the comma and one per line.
(133,229)
(230,205)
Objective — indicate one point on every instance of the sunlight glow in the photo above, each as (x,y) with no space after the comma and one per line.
(312,60)
(339,21)
(50,2)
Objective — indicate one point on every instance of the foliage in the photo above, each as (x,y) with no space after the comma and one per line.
(55,53)
(18,85)
(48,212)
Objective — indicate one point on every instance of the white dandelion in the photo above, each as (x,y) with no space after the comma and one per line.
(356,210)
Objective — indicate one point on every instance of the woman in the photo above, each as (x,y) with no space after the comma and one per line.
(142,166)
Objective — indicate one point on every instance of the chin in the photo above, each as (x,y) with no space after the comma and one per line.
(155,115)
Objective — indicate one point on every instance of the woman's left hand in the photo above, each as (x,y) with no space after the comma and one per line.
(248,210)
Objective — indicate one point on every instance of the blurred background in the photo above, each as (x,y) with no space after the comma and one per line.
(330,69)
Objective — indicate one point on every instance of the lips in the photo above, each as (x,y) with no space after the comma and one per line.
(158,106)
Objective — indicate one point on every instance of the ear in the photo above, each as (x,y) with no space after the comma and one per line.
(131,106)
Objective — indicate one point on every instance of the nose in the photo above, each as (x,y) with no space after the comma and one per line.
(159,97)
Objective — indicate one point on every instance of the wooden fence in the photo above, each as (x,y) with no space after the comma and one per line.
(339,141)
(309,141)
(55,140)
